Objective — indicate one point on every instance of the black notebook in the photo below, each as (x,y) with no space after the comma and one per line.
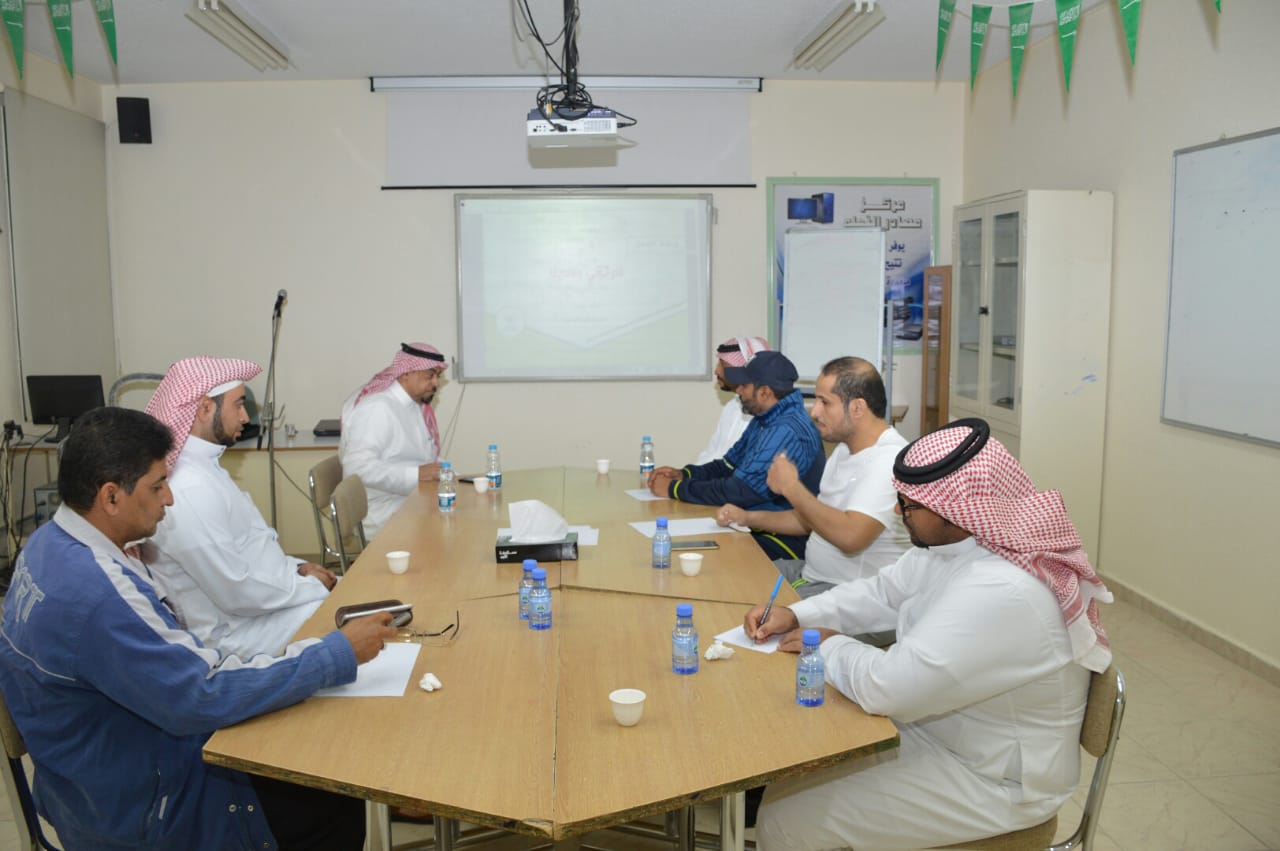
(328,428)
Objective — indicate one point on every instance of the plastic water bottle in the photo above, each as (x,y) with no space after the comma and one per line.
(539,601)
(684,641)
(493,467)
(446,491)
(661,544)
(810,671)
(526,585)
(646,455)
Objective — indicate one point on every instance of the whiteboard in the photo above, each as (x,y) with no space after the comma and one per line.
(583,287)
(833,297)
(1223,345)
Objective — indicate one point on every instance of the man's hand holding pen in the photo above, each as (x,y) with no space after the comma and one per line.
(780,620)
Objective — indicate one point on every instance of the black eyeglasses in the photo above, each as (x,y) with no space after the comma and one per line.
(907,509)
(446,635)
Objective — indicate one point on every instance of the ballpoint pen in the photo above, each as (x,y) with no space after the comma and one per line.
(768,607)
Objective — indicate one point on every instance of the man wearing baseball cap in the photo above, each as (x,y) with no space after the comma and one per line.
(735,351)
(766,388)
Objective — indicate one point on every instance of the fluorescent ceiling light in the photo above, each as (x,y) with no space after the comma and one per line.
(842,28)
(744,84)
(240,33)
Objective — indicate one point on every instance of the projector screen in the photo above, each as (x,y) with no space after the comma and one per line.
(583,287)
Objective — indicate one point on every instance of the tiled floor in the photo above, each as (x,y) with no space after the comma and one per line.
(1198,765)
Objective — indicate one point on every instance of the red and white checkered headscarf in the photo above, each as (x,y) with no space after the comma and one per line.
(407,362)
(740,350)
(992,497)
(185,384)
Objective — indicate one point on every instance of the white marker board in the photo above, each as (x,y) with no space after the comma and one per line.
(1222,356)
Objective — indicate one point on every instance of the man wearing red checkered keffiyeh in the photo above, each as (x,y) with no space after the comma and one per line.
(733,421)
(219,562)
(389,434)
(996,617)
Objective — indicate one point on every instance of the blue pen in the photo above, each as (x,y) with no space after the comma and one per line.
(769,606)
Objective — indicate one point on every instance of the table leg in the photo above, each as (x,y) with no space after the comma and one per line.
(377,827)
(686,829)
(446,830)
(733,821)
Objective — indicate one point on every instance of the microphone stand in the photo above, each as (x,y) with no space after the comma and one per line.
(269,414)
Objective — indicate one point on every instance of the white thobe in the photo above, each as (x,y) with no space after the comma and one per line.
(220,565)
(384,441)
(982,687)
(861,482)
(732,423)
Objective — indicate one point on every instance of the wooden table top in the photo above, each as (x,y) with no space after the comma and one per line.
(522,736)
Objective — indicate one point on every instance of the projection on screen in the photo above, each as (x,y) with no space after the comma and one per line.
(583,287)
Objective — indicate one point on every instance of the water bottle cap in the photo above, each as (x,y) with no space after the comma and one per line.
(539,573)
(493,447)
(646,439)
(684,610)
(811,638)
(445,465)
(662,522)
(530,564)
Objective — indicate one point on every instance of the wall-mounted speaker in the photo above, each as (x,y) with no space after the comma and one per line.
(134,117)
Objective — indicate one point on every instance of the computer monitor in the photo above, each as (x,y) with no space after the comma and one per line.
(61,399)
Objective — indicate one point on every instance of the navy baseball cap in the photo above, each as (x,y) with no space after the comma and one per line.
(767,369)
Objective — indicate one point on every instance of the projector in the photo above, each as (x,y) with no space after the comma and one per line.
(594,128)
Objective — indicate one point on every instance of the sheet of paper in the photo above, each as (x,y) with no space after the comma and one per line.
(587,535)
(738,638)
(643,494)
(679,526)
(386,675)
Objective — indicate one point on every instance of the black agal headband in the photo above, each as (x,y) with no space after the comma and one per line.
(419,353)
(970,446)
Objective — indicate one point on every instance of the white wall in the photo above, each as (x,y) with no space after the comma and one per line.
(1186,517)
(252,187)
(48,81)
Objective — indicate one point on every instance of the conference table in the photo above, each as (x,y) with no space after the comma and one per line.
(521,737)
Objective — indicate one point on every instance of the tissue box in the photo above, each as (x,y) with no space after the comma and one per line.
(566,550)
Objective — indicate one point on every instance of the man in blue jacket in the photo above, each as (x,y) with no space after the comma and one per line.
(766,386)
(115,700)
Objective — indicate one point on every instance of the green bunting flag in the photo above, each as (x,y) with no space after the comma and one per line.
(107,17)
(1129,12)
(1019,29)
(946,10)
(1217,4)
(60,13)
(981,15)
(13,14)
(1068,23)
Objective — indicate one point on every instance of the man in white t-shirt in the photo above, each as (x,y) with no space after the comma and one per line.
(852,527)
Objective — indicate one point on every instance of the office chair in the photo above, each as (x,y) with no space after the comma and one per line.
(1098,735)
(15,783)
(323,478)
(347,507)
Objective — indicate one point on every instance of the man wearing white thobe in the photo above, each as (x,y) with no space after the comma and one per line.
(220,565)
(997,633)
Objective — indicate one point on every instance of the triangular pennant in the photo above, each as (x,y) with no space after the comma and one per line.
(946,11)
(1019,29)
(1217,4)
(1129,12)
(60,14)
(107,17)
(1068,23)
(978,37)
(13,10)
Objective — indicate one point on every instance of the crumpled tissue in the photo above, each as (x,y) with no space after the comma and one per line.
(535,522)
(718,650)
(430,682)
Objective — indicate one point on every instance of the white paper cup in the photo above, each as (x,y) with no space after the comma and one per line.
(481,484)
(398,561)
(602,466)
(628,705)
(690,563)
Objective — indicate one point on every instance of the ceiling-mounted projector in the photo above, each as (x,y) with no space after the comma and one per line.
(595,127)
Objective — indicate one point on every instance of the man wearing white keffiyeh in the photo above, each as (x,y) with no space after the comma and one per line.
(733,420)
(996,615)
